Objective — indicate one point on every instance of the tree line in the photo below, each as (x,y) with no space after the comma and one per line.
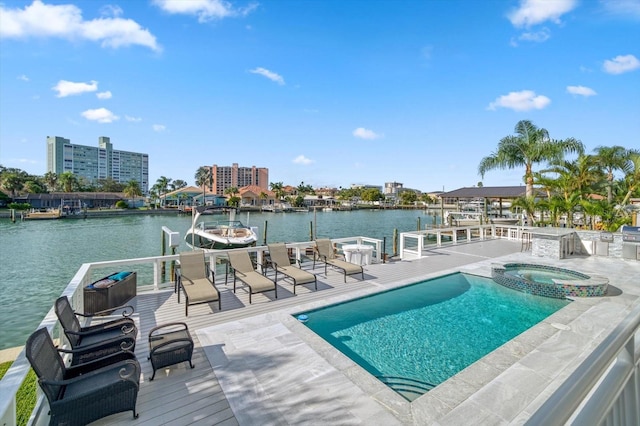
(598,185)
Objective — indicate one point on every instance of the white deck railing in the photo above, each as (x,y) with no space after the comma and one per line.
(14,377)
(605,388)
(415,244)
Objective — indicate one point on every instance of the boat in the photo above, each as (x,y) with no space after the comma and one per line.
(505,220)
(270,208)
(219,234)
(43,214)
(462,218)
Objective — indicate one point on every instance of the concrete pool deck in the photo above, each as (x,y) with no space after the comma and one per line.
(273,370)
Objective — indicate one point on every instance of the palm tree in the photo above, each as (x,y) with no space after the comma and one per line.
(530,146)
(610,159)
(163,185)
(278,190)
(68,181)
(203,179)
(632,174)
(579,176)
(231,191)
(528,205)
(132,189)
(593,209)
(178,184)
(50,179)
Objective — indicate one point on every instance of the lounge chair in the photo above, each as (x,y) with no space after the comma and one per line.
(326,254)
(243,270)
(195,281)
(87,392)
(96,340)
(281,263)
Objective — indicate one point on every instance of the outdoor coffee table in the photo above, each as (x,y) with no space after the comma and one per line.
(169,344)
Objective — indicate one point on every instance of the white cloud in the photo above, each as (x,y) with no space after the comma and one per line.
(104,95)
(524,100)
(536,36)
(621,64)
(101,115)
(65,21)
(23,77)
(205,10)
(110,10)
(581,90)
(69,88)
(269,74)
(132,119)
(301,159)
(623,8)
(363,133)
(533,12)
(159,127)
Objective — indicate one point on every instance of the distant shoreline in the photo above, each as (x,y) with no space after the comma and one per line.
(6,213)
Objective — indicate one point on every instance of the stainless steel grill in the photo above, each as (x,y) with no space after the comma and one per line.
(631,234)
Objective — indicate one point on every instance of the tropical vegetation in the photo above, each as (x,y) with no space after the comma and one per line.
(562,181)
(597,186)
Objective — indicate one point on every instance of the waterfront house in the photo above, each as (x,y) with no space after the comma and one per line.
(89,200)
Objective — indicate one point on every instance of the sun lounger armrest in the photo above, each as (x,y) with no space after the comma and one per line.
(126,329)
(127,311)
(127,369)
(94,364)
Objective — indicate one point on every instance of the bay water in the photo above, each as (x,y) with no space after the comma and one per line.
(39,258)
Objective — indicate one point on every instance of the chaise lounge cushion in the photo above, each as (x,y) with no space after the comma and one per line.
(281,263)
(244,271)
(326,254)
(195,281)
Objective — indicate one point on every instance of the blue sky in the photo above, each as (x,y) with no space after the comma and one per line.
(331,93)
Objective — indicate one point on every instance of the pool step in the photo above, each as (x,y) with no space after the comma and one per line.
(407,387)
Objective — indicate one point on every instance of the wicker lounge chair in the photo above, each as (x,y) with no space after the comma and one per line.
(243,270)
(281,263)
(85,393)
(96,340)
(195,281)
(326,254)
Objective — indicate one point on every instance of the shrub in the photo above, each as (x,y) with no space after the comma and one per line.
(27,395)
(121,204)
(19,206)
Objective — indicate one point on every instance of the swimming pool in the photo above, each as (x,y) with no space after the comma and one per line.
(416,337)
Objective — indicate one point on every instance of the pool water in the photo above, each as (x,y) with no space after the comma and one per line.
(542,276)
(416,337)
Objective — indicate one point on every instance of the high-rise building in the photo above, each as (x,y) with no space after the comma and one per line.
(224,177)
(94,163)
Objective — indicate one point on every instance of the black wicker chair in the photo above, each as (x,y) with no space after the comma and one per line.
(87,392)
(96,340)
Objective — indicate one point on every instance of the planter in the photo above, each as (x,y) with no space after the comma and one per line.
(109,292)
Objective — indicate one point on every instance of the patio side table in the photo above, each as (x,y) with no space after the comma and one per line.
(170,344)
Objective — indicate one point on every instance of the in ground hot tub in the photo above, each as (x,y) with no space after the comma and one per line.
(548,281)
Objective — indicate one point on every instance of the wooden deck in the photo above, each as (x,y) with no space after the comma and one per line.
(180,395)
